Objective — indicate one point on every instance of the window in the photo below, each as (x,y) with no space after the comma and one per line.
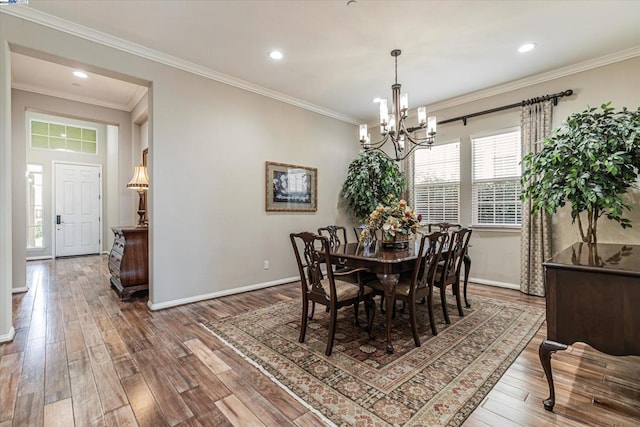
(496,179)
(437,183)
(57,136)
(34,206)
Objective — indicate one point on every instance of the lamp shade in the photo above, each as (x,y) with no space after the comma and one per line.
(140,180)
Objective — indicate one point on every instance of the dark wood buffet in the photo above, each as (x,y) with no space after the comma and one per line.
(593,296)
(129,260)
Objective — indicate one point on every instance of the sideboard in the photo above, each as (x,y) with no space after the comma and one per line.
(593,296)
(129,260)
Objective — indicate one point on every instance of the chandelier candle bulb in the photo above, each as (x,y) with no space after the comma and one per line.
(404,105)
(363,133)
(392,123)
(422,116)
(431,126)
(384,113)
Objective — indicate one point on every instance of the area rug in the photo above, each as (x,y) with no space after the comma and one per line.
(439,383)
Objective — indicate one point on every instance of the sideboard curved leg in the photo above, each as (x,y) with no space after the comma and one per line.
(547,347)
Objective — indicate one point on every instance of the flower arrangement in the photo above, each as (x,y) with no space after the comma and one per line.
(393,219)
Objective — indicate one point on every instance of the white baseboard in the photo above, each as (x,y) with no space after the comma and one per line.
(495,283)
(9,336)
(182,301)
(19,290)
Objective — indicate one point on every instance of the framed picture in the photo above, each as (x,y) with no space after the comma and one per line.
(291,188)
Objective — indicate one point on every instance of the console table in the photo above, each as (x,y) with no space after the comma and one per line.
(593,296)
(129,260)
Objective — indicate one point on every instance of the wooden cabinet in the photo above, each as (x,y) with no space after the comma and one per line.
(129,260)
(593,295)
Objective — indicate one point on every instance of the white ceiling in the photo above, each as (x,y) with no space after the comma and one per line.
(337,56)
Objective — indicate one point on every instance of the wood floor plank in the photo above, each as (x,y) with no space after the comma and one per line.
(206,356)
(237,412)
(10,370)
(171,404)
(59,413)
(121,417)
(112,395)
(143,404)
(57,385)
(29,409)
(84,392)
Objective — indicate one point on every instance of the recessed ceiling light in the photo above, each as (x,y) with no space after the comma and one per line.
(526,47)
(80,74)
(275,54)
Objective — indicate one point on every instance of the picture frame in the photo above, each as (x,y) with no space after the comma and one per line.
(290,188)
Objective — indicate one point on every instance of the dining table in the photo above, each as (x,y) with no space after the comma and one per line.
(386,263)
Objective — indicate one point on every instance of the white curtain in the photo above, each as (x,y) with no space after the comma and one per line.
(535,242)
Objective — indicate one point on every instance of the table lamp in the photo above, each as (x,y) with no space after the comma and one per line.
(140,183)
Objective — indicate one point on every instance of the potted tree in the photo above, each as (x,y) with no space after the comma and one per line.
(372,176)
(590,162)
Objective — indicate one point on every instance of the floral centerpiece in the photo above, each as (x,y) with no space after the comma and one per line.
(396,220)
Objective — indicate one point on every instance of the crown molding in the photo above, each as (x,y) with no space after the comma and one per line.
(90,34)
(70,97)
(538,78)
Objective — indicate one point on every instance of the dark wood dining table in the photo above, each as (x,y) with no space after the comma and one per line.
(387,264)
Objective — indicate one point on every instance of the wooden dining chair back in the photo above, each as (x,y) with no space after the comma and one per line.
(421,283)
(336,234)
(449,227)
(448,271)
(311,252)
(443,226)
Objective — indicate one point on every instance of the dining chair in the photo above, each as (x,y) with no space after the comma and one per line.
(448,270)
(449,226)
(312,251)
(419,284)
(337,236)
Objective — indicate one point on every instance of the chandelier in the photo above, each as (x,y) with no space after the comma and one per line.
(393,127)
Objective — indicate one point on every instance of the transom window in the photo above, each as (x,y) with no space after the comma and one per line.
(496,179)
(59,136)
(437,183)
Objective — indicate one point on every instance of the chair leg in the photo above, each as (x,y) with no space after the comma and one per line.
(443,299)
(356,305)
(432,320)
(382,304)
(313,309)
(303,324)
(467,267)
(332,330)
(456,286)
(414,323)
(371,314)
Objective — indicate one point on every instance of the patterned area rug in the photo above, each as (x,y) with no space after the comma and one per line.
(439,383)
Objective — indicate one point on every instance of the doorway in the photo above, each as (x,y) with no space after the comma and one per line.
(78,209)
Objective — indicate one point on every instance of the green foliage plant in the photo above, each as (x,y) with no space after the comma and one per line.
(589,162)
(371,177)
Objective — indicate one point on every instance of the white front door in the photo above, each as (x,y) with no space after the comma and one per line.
(77,201)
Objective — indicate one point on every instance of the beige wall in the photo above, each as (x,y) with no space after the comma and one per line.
(495,253)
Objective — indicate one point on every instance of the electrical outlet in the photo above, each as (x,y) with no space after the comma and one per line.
(266,264)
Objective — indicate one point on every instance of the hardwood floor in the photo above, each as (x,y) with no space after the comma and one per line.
(82,357)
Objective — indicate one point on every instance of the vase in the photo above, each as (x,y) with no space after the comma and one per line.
(399,241)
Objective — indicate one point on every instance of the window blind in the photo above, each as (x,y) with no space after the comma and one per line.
(437,183)
(496,179)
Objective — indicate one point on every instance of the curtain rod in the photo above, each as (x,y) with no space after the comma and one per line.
(536,100)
